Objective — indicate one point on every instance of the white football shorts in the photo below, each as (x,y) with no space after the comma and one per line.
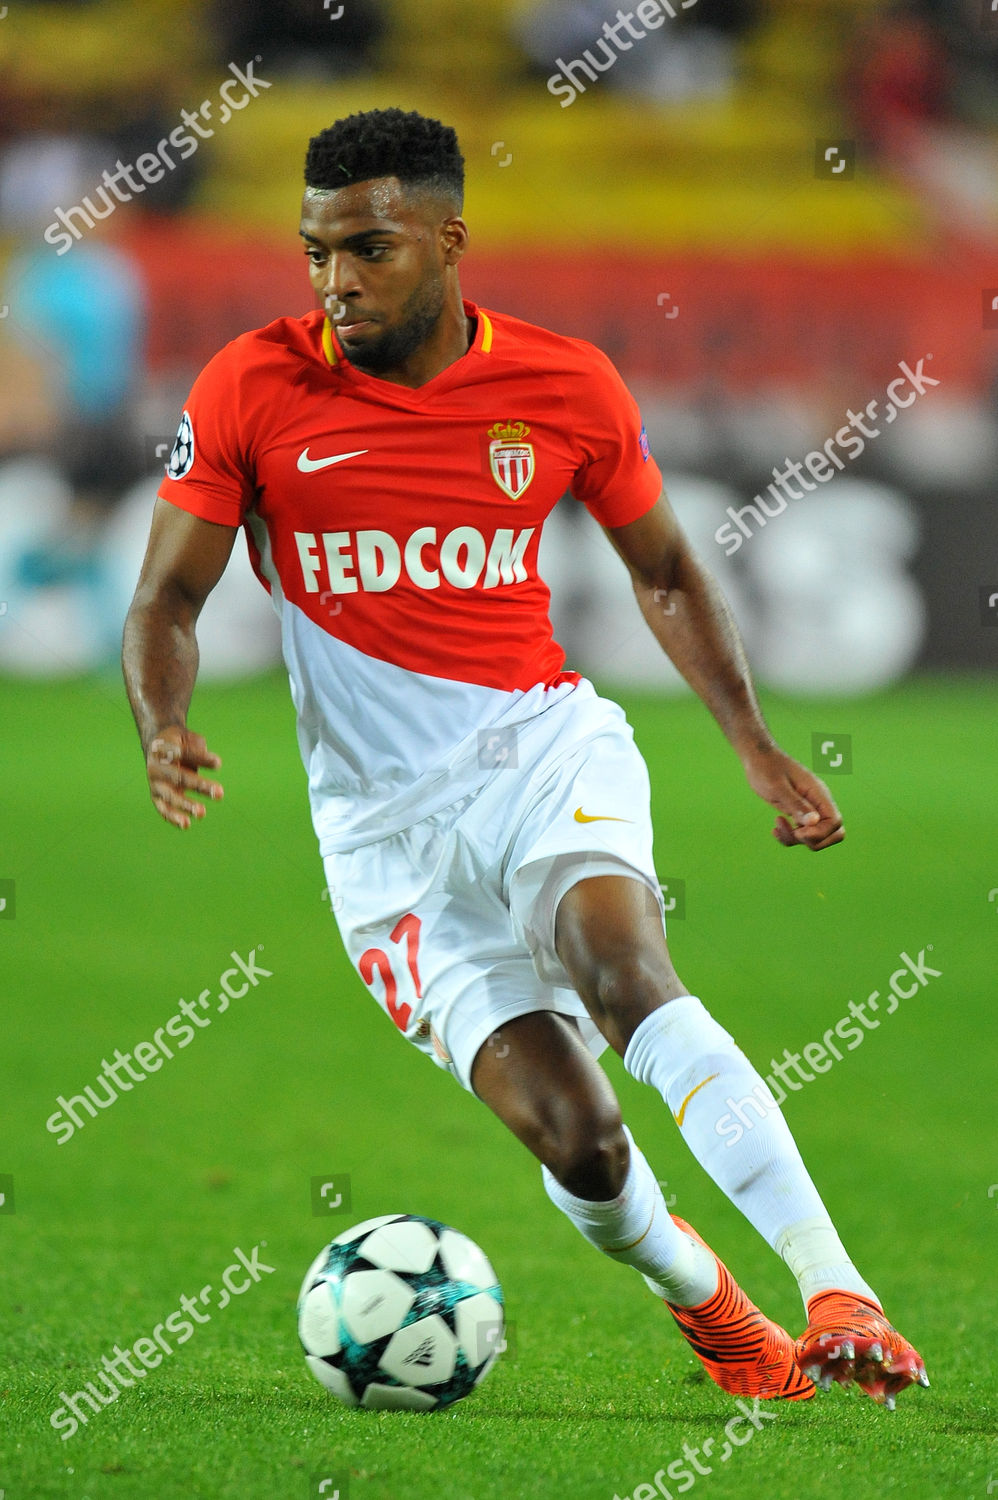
(450,922)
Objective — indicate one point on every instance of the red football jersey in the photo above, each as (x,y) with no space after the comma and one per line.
(397,531)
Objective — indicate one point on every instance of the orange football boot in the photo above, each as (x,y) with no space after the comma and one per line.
(848,1339)
(742,1350)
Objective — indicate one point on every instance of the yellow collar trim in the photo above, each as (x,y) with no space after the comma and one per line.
(327,343)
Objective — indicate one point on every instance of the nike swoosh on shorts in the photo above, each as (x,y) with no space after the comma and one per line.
(581,817)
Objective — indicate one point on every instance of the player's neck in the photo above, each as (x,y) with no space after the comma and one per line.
(452,338)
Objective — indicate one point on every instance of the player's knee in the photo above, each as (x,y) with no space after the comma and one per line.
(590,1159)
(625,985)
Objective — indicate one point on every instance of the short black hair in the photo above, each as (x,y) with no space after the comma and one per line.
(420,152)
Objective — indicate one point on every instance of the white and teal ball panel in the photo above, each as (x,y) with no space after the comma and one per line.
(401,1312)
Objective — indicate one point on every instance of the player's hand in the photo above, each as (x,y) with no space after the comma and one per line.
(173,766)
(808,814)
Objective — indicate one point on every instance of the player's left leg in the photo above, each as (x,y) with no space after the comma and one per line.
(609,938)
(536,1074)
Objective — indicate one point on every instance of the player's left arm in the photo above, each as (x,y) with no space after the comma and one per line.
(690,618)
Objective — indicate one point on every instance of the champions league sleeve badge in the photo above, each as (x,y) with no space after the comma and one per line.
(182,456)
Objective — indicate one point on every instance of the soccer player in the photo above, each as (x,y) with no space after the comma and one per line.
(483,814)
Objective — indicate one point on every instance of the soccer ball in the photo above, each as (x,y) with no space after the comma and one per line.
(400,1312)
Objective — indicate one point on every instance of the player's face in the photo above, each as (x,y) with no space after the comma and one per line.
(378,259)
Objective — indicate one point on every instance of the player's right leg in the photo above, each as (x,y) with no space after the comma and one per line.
(536,1074)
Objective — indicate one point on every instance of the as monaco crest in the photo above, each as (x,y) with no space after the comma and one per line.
(510,458)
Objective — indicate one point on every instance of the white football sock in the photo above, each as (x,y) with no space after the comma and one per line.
(817,1257)
(695,1065)
(635,1228)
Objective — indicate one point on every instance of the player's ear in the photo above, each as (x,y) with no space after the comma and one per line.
(453,239)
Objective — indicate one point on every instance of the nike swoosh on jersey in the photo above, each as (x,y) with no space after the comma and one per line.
(310,465)
(581,817)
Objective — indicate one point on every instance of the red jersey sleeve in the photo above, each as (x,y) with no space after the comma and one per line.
(617,480)
(208,472)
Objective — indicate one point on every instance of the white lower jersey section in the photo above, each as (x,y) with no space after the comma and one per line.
(383,745)
(450,921)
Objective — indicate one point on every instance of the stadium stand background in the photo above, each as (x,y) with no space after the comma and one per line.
(680,212)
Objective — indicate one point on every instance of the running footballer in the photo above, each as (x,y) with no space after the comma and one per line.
(482,813)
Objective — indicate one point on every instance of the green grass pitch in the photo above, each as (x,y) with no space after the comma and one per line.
(117,917)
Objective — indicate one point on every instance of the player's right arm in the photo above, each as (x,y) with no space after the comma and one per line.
(184,560)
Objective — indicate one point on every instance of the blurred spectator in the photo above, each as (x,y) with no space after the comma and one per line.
(969,32)
(72,335)
(303,37)
(900,78)
(909,79)
(84,312)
